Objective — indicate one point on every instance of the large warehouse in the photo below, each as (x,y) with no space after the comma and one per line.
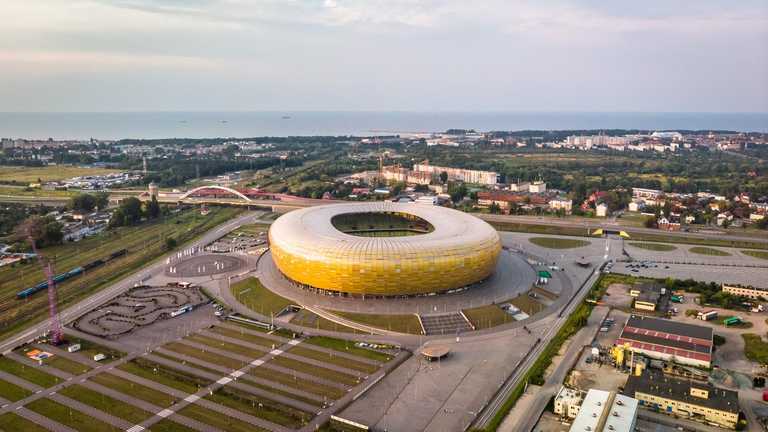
(668,340)
(383,248)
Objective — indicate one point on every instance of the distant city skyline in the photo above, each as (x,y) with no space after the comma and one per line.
(397,55)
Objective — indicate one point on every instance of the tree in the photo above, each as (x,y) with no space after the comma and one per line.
(44,231)
(649,222)
(129,213)
(170,243)
(443,177)
(153,209)
(83,202)
(101,200)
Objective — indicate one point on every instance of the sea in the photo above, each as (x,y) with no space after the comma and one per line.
(167,124)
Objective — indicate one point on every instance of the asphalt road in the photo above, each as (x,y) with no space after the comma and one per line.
(157,268)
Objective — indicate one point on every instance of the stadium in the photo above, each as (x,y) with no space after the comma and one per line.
(383,249)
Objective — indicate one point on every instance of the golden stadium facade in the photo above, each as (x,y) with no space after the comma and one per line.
(432,249)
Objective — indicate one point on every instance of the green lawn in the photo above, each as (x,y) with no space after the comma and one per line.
(260,407)
(558,243)
(488,316)
(12,422)
(217,420)
(317,371)
(26,175)
(405,323)
(67,416)
(231,347)
(756,254)
(256,297)
(88,349)
(166,425)
(309,319)
(247,337)
(165,375)
(205,356)
(755,348)
(333,359)
(67,365)
(28,373)
(297,383)
(658,247)
(58,362)
(134,389)
(105,403)
(12,392)
(348,347)
(525,303)
(701,250)
(145,243)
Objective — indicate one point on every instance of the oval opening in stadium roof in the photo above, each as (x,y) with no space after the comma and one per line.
(381,224)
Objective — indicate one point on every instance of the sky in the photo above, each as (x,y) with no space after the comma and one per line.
(405,55)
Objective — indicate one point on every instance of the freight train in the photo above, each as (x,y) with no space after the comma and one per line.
(70,274)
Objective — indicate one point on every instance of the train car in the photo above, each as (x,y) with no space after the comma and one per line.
(70,274)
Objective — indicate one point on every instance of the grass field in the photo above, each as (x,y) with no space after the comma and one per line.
(260,407)
(105,403)
(26,175)
(558,243)
(89,349)
(658,247)
(256,297)
(12,392)
(28,373)
(133,389)
(33,195)
(348,347)
(205,356)
(228,346)
(701,250)
(317,371)
(215,419)
(756,254)
(166,425)
(67,416)
(246,337)
(333,359)
(526,304)
(14,422)
(145,243)
(405,323)
(67,365)
(164,375)
(488,316)
(309,319)
(755,348)
(297,383)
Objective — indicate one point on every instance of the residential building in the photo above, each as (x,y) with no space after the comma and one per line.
(603,411)
(505,199)
(537,187)
(745,291)
(667,340)
(459,174)
(685,398)
(561,203)
(643,193)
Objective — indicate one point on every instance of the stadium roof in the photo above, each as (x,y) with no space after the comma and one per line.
(312,228)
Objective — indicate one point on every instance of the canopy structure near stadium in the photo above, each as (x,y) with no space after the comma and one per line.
(383,248)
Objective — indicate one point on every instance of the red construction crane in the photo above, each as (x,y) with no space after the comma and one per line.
(56,336)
